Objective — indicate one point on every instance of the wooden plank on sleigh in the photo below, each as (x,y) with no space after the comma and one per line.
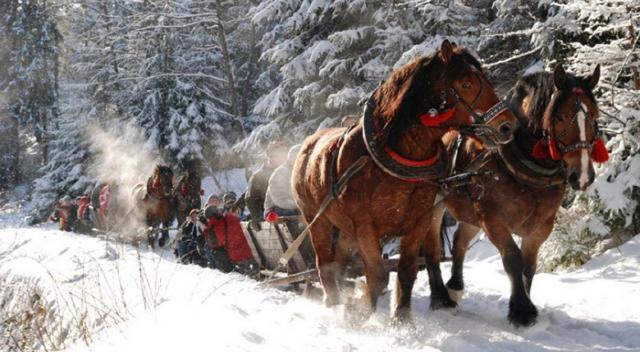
(269,243)
(282,279)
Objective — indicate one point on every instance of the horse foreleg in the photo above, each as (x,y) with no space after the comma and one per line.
(151,235)
(407,272)
(377,276)
(164,237)
(522,312)
(530,247)
(461,239)
(439,295)
(321,233)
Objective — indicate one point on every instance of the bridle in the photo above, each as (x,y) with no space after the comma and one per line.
(557,149)
(479,121)
(564,149)
(434,167)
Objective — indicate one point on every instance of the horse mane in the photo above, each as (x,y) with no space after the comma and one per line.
(407,92)
(540,87)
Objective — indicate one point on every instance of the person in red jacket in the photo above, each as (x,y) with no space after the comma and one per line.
(225,233)
(84,214)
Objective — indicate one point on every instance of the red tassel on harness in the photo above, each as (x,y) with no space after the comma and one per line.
(599,152)
(554,152)
(540,150)
(429,120)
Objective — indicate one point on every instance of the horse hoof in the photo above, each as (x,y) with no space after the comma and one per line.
(402,317)
(163,240)
(330,301)
(523,314)
(442,303)
(455,295)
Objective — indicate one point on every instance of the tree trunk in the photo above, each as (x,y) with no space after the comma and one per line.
(253,56)
(227,68)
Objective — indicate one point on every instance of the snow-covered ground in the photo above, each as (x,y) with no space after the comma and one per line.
(113,297)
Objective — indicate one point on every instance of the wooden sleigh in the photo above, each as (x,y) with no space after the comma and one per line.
(273,239)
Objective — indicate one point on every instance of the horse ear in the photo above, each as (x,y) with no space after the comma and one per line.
(594,78)
(559,77)
(446,50)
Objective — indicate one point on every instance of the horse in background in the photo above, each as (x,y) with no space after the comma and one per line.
(397,144)
(556,144)
(187,192)
(155,204)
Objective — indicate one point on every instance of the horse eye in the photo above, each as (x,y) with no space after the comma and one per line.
(466,85)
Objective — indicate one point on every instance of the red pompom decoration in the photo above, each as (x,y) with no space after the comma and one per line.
(540,150)
(271,217)
(599,152)
(554,152)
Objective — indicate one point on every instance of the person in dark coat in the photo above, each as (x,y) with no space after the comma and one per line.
(259,182)
(190,230)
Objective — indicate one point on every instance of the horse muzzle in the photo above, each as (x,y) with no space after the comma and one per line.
(490,136)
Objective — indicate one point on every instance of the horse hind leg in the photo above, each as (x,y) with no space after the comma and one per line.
(461,239)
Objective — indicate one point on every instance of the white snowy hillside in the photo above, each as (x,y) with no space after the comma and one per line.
(65,291)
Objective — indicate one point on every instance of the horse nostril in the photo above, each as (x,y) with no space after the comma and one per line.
(506,129)
(573,178)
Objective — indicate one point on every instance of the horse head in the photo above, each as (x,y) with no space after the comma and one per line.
(162,181)
(569,127)
(448,90)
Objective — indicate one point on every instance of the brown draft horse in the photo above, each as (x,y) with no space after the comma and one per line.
(555,144)
(155,203)
(187,192)
(378,201)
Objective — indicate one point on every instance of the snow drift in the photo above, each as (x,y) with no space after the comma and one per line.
(62,290)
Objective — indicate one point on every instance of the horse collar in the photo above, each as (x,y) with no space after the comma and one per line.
(393,163)
(527,171)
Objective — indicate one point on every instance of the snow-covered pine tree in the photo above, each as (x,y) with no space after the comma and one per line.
(177,91)
(85,98)
(99,35)
(66,172)
(321,58)
(32,66)
(582,34)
